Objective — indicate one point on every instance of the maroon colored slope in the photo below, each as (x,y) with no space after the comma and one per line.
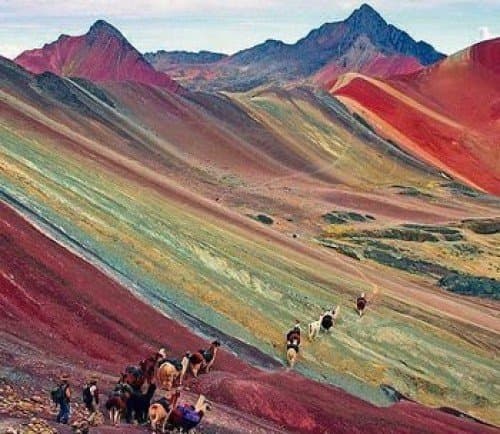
(102,54)
(64,308)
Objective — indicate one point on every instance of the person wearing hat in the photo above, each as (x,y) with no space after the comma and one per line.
(91,398)
(64,400)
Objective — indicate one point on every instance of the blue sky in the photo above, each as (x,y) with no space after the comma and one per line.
(228,26)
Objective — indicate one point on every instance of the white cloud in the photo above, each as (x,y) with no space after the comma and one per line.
(484,33)
(10,50)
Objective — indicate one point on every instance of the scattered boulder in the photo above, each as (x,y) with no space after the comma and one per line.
(33,426)
(264,219)
(462,249)
(344,217)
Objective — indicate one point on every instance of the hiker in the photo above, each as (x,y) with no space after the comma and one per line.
(62,396)
(91,398)
(361,304)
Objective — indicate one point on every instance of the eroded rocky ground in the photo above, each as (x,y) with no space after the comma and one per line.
(462,256)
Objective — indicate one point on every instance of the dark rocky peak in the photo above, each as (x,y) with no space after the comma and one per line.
(365,15)
(102,28)
(365,19)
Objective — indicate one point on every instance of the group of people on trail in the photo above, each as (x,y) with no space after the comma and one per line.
(61,397)
(325,323)
(128,399)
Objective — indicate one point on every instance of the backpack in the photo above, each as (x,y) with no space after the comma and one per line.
(327,321)
(207,355)
(190,418)
(87,395)
(176,363)
(57,394)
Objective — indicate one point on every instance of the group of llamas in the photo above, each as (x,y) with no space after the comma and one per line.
(325,324)
(159,371)
(128,400)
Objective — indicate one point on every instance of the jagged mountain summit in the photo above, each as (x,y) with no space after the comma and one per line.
(102,54)
(363,42)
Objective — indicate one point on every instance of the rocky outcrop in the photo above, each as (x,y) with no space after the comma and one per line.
(471,285)
(483,226)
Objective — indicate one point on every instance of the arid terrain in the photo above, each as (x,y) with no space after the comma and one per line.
(139,213)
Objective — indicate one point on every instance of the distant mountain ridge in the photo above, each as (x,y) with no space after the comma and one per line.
(350,45)
(102,54)
(184,57)
(364,42)
(332,40)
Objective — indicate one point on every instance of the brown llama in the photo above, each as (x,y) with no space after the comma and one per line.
(160,410)
(361,303)
(117,401)
(292,348)
(172,370)
(203,359)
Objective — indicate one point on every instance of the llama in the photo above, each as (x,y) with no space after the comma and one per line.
(325,322)
(117,401)
(138,404)
(171,370)
(292,348)
(160,410)
(361,303)
(148,366)
(134,377)
(203,359)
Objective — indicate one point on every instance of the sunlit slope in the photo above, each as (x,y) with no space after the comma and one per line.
(446,115)
(311,126)
(184,250)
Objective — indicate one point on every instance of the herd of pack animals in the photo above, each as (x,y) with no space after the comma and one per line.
(127,399)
